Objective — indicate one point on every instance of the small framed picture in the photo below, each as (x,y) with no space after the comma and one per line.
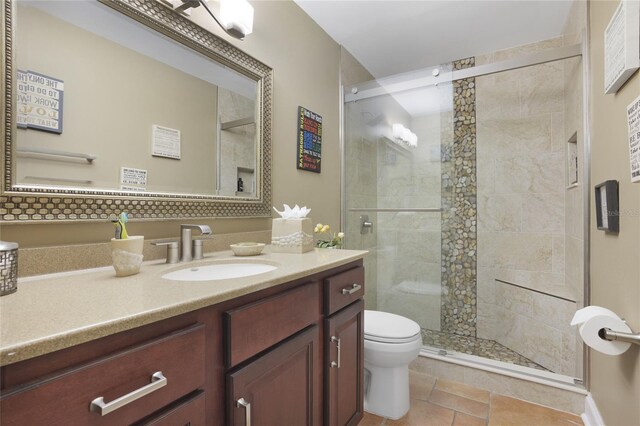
(607,208)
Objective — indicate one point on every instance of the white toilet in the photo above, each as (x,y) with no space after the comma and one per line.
(391,342)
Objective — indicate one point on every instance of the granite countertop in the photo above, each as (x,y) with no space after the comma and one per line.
(57,311)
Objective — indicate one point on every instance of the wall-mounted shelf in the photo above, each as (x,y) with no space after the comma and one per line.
(237,123)
(35,151)
(396,146)
(65,180)
(248,176)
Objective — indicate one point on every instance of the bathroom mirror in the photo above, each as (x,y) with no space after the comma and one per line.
(128,105)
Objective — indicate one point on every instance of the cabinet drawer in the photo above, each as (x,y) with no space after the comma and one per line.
(66,398)
(342,289)
(255,327)
(188,411)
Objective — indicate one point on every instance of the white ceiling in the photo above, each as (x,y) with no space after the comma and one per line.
(394,36)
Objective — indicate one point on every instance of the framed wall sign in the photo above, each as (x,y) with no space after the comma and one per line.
(607,207)
(165,142)
(39,101)
(309,140)
(622,45)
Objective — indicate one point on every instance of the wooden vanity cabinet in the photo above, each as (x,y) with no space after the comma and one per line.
(284,385)
(344,350)
(57,388)
(271,355)
(274,357)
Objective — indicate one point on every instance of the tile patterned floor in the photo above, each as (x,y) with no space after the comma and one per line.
(438,402)
(474,346)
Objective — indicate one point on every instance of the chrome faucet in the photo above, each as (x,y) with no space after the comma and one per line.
(189,248)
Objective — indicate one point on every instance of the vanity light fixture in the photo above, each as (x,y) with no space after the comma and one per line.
(403,136)
(236,16)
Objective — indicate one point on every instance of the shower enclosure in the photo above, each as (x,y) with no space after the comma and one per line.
(466,184)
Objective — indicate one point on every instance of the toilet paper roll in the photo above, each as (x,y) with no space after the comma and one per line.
(591,327)
(587,312)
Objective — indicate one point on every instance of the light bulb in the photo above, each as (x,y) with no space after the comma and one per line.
(238,15)
(406,134)
(396,130)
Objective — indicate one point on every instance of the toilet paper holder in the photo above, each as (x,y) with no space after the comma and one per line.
(608,334)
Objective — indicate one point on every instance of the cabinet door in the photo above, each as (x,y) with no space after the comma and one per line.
(344,366)
(281,387)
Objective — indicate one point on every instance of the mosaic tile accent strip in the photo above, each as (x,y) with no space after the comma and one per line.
(475,346)
(59,208)
(21,204)
(459,213)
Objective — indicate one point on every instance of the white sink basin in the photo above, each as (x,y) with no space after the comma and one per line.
(219,271)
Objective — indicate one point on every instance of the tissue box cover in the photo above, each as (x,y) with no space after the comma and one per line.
(291,235)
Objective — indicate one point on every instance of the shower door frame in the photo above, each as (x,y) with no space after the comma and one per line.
(551,55)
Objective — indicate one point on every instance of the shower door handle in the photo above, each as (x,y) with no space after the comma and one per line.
(366,226)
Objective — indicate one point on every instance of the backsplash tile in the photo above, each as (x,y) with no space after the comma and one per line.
(48,260)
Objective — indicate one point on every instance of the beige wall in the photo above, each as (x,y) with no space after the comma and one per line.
(352,71)
(615,259)
(306,63)
(112,97)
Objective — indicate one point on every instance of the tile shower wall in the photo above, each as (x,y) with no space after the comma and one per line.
(459,212)
(525,301)
(237,144)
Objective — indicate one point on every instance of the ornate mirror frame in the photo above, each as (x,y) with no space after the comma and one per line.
(25,205)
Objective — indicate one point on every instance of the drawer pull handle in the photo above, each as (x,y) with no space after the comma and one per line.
(333,363)
(355,287)
(99,406)
(247,410)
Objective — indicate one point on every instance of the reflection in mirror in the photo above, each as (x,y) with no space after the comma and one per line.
(105,103)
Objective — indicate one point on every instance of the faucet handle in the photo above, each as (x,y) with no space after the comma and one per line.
(172,249)
(198,246)
(204,229)
(198,251)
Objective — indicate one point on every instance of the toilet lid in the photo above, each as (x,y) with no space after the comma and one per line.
(389,328)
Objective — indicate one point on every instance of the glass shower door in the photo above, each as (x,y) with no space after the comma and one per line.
(468,195)
(393,182)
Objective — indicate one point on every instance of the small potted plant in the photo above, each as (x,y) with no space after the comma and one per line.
(336,239)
